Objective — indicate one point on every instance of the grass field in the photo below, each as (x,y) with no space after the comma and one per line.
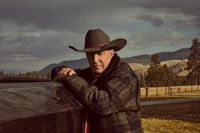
(171,118)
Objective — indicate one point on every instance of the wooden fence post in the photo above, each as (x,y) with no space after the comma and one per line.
(179,91)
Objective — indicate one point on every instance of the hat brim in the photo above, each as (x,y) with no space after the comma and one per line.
(116,44)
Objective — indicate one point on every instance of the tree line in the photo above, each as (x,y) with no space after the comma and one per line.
(33,74)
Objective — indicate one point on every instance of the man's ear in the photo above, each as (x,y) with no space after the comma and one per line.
(112,52)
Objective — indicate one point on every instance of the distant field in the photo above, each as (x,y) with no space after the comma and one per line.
(162,91)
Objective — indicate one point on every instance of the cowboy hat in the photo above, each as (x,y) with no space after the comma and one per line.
(98,40)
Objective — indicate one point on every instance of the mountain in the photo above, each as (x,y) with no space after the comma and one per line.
(180,54)
(80,63)
(177,66)
(140,60)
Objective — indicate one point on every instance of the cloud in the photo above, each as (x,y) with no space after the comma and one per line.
(150,39)
(156,21)
(19,57)
(175,10)
(57,15)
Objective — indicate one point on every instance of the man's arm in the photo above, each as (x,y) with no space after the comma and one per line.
(114,97)
(63,70)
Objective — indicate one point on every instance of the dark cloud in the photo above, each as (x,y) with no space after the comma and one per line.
(40,14)
(56,15)
(156,21)
(79,15)
(2,38)
(191,8)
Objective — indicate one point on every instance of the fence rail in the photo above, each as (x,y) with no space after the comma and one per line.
(171,91)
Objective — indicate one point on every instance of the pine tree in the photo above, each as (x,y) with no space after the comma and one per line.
(154,73)
(193,63)
(2,73)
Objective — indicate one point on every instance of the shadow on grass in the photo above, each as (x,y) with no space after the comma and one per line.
(187,111)
(159,98)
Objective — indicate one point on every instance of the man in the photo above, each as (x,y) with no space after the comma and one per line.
(108,89)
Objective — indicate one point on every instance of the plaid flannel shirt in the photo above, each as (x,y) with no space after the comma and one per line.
(112,100)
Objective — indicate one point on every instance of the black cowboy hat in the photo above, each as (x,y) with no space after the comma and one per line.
(98,40)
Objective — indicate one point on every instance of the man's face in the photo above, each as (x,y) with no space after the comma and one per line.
(99,61)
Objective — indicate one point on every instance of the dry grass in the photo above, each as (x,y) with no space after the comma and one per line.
(156,125)
(171,118)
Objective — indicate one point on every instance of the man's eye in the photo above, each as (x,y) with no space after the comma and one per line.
(100,53)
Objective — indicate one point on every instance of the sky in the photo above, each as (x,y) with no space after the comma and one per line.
(36,33)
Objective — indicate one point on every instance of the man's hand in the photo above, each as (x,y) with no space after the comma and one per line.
(62,72)
(66,71)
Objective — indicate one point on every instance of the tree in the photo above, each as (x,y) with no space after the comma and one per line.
(193,63)
(155,59)
(48,75)
(169,77)
(142,81)
(154,73)
(2,73)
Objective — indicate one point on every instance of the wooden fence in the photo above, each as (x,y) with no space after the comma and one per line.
(171,91)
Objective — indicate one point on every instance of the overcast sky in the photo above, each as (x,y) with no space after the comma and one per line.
(36,33)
